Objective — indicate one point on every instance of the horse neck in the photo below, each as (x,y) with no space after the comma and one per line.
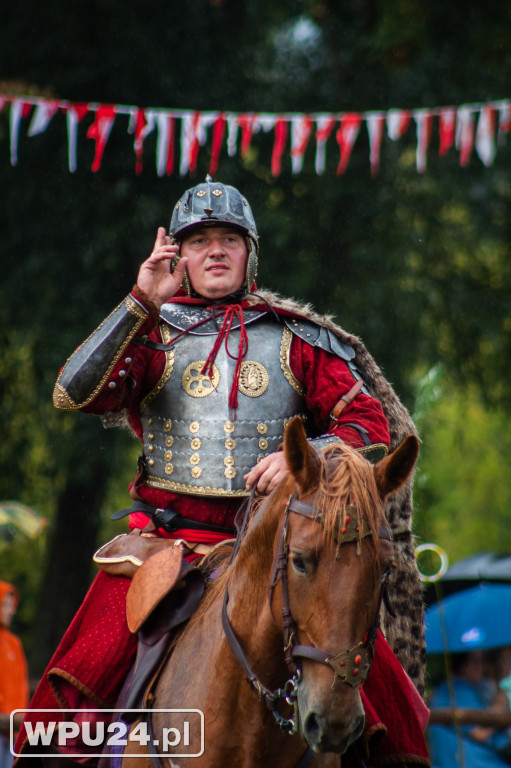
(249,608)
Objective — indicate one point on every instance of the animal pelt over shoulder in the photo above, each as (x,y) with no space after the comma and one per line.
(405,633)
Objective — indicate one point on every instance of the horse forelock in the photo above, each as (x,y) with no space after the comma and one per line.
(347,481)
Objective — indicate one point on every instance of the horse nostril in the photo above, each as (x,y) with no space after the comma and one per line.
(312,728)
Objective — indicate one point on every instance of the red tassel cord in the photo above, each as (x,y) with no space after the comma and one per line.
(231,311)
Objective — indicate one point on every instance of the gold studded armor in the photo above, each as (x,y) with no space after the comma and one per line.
(193,443)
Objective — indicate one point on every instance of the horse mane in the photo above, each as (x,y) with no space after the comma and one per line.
(346,479)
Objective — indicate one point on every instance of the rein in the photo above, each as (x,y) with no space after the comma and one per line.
(350,666)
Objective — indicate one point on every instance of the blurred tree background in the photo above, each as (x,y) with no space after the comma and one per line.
(416,264)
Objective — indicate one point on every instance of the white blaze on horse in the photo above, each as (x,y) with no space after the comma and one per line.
(294,613)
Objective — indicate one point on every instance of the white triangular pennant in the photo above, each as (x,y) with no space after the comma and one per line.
(485,136)
(43,113)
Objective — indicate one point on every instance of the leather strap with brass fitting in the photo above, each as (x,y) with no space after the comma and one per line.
(345,400)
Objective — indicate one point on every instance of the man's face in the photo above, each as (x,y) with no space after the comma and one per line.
(217,260)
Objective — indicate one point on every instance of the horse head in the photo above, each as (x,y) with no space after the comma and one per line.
(337,553)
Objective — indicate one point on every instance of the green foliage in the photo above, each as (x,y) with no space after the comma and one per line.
(462,490)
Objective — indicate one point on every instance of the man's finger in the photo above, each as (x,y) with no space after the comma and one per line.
(252,477)
(160,238)
(268,481)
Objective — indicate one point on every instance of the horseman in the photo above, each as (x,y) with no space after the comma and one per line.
(206,371)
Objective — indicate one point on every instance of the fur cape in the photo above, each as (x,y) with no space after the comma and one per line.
(405,632)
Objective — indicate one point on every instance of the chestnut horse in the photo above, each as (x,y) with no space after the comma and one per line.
(294,614)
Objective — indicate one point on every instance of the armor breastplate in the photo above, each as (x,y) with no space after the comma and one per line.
(193,444)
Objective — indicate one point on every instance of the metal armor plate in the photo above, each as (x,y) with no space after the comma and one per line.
(86,371)
(193,443)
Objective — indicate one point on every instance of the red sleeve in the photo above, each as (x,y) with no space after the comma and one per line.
(325,379)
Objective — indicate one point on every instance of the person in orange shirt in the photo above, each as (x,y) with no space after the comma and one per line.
(13,667)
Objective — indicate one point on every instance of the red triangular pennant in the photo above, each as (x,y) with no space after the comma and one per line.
(99,131)
(279,144)
(346,136)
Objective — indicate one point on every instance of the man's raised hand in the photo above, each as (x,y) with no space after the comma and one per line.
(154,276)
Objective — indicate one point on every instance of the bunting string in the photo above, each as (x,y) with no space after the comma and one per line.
(181,134)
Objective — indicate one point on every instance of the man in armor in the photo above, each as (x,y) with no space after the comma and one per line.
(207,371)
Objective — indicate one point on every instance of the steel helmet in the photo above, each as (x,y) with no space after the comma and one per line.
(211,204)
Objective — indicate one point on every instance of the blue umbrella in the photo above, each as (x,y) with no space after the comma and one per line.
(474,619)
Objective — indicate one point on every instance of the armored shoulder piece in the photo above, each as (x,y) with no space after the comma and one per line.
(318,336)
(87,370)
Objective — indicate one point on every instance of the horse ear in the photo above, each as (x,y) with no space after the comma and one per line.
(301,459)
(391,472)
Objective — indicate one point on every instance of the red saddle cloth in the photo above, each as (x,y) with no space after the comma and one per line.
(92,660)
(97,651)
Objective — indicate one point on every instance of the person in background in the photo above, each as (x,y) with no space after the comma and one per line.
(13,670)
(469,746)
(497,678)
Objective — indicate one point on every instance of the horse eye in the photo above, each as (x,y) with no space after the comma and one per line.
(299,563)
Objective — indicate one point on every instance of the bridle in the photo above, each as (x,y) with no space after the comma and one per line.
(352,666)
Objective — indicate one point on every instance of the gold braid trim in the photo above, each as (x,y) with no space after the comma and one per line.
(285,350)
(167,372)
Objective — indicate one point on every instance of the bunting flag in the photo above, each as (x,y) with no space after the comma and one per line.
(469,129)
(278,146)
(19,110)
(99,131)
(325,126)
(375,125)
(43,113)
(246,123)
(423,118)
(301,129)
(216,147)
(141,124)
(74,115)
(346,136)
(446,129)
(165,143)
(465,134)
(485,135)
(504,109)
(398,121)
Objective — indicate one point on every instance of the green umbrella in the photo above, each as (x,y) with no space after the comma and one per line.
(17,521)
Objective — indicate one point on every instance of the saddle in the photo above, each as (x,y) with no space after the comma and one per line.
(164,592)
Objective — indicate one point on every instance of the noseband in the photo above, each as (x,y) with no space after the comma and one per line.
(352,666)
